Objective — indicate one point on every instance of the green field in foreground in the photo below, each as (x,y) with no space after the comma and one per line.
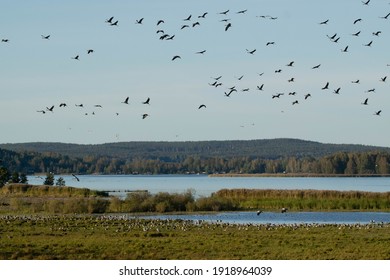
(116,237)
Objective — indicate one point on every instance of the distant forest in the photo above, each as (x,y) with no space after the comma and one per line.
(210,157)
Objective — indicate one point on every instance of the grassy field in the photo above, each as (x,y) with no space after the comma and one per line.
(117,237)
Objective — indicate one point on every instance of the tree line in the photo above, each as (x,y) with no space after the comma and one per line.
(340,163)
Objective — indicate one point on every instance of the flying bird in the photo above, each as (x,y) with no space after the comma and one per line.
(50,109)
(228,26)
(242,12)
(75,177)
(324,22)
(175,57)
(110,20)
(307,96)
(76,57)
(202,106)
(378,113)
(139,21)
(224,13)
(47,37)
(345,49)
(160,21)
(260,87)
(147,101)
(89,51)
(144,116)
(251,52)
(337,91)
(386,16)
(290,64)
(326,86)
(366,2)
(368,44)
(365,102)
(201,52)
(188,18)
(203,16)
(357,20)
(384,79)
(126,101)
(316,67)
(114,23)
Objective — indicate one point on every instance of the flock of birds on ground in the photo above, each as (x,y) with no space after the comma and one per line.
(127,223)
(224,17)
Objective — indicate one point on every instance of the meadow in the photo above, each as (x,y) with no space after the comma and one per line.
(101,237)
(42,222)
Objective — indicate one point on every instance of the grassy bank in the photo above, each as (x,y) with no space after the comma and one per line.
(116,237)
(28,199)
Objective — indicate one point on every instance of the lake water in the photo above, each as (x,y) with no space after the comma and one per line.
(277,218)
(204,186)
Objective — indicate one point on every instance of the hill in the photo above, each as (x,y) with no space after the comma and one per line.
(177,151)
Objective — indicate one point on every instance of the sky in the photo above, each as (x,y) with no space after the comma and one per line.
(131,60)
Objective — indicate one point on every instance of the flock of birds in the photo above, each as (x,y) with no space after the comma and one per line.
(227,24)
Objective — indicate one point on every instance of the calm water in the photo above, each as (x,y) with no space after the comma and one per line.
(204,185)
(285,218)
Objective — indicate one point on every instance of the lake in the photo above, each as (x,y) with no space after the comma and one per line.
(277,218)
(204,185)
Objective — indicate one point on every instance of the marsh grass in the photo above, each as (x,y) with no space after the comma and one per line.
(118,237)
(307,200)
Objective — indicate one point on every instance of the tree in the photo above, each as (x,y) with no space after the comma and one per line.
(23,178)
(15,178)
(60,182)
(49,179)
(4,176)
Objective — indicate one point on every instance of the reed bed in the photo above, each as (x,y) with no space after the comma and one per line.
(303,200)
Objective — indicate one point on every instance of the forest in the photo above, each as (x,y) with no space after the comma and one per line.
(311,160)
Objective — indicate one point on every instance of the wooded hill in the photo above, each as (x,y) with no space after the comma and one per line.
(178,151)
(252,157)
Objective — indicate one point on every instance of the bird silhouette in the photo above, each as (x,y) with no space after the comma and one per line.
(378,113)
(114,23)
(307,96)
(224,13)
(126,101)
(50,109)
(75,177)
(79,105)
(63,105)
(324,22)
(203,15)
(356,34)
(201,52)
(277,95)
(176,57)
(259,212)
(332,37)
(377,33)
(195,24)
(366,2)
(160,21)
(337,91)
(227,26)
(326,86)
(202,106)
(144,116)
(251,52)
(384,79)
(90,51)
(47,37)
(345,49)
(357,20)
(371,90)
(42,111)
(5,40)
(284,210)
(260,87)
(365,102)
(147,101)
(242,12)
(368,44)
(76,57)
(139,21)
(295,102)
(270,43)
(356,82)
(110,20)
(188,18)
(386,16)
(290,64)
(316,66)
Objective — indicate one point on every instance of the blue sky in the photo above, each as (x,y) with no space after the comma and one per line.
(129,60)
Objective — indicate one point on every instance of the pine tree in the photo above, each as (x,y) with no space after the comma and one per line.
(49,179)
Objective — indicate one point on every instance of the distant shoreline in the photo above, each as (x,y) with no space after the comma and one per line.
(313,175)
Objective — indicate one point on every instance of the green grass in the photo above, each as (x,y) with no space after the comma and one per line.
(116,237)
